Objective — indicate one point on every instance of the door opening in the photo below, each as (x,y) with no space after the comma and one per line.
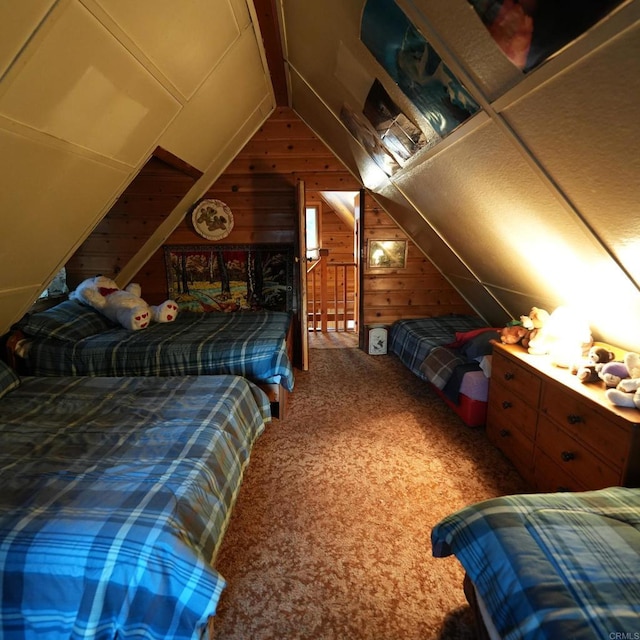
(332,220)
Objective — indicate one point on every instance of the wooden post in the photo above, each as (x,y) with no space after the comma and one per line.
(324,259)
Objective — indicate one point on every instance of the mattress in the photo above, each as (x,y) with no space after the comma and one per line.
(560,565)
(73,339)
(116,493)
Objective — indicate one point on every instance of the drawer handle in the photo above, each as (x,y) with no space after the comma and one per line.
(572,418)
(504,433)
(506,404)
(508,376)
(567,456)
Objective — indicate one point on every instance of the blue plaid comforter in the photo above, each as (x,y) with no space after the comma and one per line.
(249,344)
(552,566)
(413,339)
(115,496)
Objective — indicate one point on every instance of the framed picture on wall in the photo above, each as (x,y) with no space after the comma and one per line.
(387,254)
(415,67)
(530,31)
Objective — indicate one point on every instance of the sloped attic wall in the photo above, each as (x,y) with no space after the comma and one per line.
(88,89)
(532,201)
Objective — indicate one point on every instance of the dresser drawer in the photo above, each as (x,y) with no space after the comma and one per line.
(509,411)
(569,454)
(549,476)
(515,445)
(589,426)
(517,378)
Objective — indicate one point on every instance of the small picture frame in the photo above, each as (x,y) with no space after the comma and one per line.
(387,254)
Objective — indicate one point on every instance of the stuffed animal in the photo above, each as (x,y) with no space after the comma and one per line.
(627,391)
(623,399)
(613,373)
(590,370)
(513,333)
(536,341)
(123,306)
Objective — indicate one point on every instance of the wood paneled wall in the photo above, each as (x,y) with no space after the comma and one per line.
(418,290)
(146,202)
(260,188)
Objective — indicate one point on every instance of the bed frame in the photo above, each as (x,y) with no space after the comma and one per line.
(472,412)
(277,394)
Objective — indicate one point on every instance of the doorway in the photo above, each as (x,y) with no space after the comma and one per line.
(332,224)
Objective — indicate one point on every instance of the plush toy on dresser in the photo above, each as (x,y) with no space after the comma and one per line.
(537,340)
(627,392)
(513,333)
(590,370)
(123,306)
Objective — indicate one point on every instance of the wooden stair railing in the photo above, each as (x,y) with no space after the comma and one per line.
(340,307)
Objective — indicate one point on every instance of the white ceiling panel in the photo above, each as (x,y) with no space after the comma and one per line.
(18,20)
(587,144)
(49,198)
(200,30)
(79,84)
(222,105)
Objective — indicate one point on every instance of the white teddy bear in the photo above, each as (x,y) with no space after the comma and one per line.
(627,393)
(124,306)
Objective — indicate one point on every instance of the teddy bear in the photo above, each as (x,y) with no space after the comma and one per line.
(123,306)
(536,342)
(513,333)
(627,391)
(590,370)
(612,373)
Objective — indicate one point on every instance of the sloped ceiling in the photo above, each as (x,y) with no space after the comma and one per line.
(88,90)
(532,201)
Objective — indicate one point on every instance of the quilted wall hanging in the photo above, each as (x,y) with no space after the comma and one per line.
(230,277)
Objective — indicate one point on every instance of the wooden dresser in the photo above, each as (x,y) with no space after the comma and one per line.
(561,434)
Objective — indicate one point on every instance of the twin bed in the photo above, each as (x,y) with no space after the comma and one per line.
(72,339)
(116,496)
(559,565)
(121,456)
(453,354)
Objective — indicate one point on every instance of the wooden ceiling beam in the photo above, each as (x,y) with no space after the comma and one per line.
(270,29)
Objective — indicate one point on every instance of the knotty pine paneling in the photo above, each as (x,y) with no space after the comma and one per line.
(419,290)
(259,186)
(145,204)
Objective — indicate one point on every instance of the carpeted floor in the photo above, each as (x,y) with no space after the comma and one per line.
(329,539)
(333,340)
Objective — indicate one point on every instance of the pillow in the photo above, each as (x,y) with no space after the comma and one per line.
(464,336)
(69,321)
(480,345)
(8,379)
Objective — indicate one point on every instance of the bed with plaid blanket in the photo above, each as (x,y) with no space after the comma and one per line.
(413,339)
(116,493)
(73,339)
(423,345)
(561,565)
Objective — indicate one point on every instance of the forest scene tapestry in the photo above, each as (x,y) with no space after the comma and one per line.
(230,277)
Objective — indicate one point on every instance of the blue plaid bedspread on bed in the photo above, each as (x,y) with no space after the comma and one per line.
(562,565)
(115,496)
(249,344)
(413,339)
